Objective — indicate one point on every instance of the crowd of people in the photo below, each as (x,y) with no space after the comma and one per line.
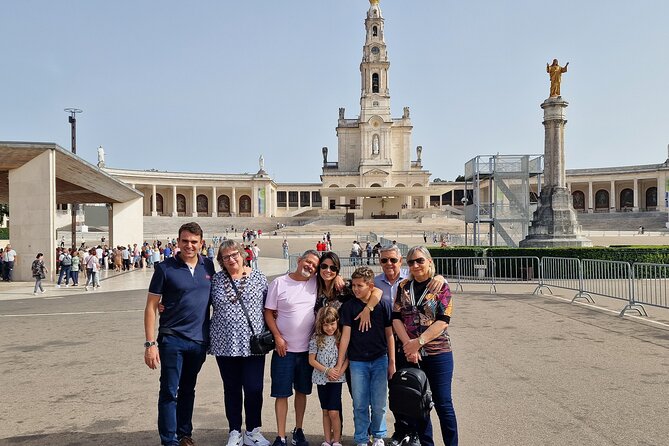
(327,331)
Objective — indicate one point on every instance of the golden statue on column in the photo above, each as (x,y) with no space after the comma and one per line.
(555,73)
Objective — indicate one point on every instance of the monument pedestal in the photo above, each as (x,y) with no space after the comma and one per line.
(554,222)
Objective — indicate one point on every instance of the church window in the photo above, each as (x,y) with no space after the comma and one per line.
(602,199)
(375,31)
(223,204)
(626,198)
(578,198)
(375,83)
(375,103)
(651,197)
(245,204)
(181,203)
(202,203)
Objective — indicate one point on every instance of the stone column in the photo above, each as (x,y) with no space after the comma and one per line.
(194,202)
(174,201)
(636,196)
(254,199)
(154,211)
(214,202)
(233,203)
(591,202)
(612,197)
(268,201)
(661,192)
(554,222)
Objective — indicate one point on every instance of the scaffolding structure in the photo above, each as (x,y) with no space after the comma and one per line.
(502,193)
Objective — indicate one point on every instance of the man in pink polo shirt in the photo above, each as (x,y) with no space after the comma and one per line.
(289,315)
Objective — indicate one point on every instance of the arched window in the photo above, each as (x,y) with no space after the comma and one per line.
(651,197)
(375,185)
(159,203)
(375,31)
(245,204)
(626,198)
(223,203)
(578,199)
(202,204)
(181,203)
(375,83)
(602,199)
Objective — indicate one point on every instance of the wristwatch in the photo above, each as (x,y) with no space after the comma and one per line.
(149,344)
(421,341)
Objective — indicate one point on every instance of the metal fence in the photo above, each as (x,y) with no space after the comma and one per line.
(636,284)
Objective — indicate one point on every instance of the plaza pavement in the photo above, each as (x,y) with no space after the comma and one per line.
(529,370)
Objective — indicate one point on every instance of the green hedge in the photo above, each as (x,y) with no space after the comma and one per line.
(630,254)
(4,233)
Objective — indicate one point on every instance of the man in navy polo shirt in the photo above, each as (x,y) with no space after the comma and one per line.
(181,285)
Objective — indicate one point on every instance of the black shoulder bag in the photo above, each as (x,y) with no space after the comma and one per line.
(262,343)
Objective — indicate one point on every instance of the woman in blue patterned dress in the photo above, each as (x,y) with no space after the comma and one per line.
(242,372)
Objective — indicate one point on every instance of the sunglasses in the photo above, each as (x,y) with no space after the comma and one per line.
(419,260)
(392,260)
(332,268)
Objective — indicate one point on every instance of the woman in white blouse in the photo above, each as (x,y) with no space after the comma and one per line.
(242,372)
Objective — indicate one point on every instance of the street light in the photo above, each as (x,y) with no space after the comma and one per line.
(72,119)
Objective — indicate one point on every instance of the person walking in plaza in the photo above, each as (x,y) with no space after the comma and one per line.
(238,292)
(8,263)
(65,266)
(289,315)
(182,285)
(74,268)
(284,247)
(421,319)
(92,267)
(323,356)
(372,360)
(39,273)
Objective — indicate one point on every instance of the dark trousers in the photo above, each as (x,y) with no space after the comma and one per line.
(242,375)
(64,272)
(180,361)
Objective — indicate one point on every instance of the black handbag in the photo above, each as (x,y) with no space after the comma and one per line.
(262,343)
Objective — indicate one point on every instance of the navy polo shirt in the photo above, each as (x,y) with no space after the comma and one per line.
(184,296)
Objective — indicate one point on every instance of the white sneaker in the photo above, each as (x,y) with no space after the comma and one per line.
(57,286)
(378,442)
(235,438)
(34,294)
(86,287)
(255,438)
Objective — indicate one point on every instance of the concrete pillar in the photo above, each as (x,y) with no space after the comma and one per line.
(154,211)
(214,202)
(591,202)
(299,200)
(194,202)
(233,202)
(268,201)
(554,123)
(174,202)
(127,226)
(612,196)
(661,192)
(32,226)
(254,199)
(636,196)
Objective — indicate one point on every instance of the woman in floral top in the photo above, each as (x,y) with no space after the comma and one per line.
(421,320)
(230,334)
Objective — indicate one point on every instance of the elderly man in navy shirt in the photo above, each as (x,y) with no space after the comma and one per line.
(180,285)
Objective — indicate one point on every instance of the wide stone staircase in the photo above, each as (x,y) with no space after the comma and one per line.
(623,221)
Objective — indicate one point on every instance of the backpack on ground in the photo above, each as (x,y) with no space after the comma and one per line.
(409,394)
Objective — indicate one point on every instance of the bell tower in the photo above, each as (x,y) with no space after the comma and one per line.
(375,94)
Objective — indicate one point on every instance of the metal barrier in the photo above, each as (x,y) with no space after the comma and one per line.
(651,285)
(562,272)
(487,270)
(610,278)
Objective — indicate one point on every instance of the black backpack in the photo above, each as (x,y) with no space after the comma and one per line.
(409,394)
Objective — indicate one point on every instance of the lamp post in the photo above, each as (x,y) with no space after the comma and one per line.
(464,205)
(72,119)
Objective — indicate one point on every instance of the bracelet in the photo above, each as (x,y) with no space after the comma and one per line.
(370,308)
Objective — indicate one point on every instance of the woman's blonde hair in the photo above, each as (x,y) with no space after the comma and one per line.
(324,316)
(426,253)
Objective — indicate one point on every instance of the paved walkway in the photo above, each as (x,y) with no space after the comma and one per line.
(530,370)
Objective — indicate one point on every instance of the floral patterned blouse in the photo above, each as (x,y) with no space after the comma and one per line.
(230,333)
(417,313)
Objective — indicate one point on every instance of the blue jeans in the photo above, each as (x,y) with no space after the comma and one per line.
(369,388)
(64,272)
(180,361)
(75,277)
(242,374)
(439,371)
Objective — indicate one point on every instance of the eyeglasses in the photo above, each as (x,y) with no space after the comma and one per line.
(419,260)
(392,260)
(232,256)
(332,268)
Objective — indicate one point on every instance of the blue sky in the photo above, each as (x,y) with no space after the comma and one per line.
(208,86)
